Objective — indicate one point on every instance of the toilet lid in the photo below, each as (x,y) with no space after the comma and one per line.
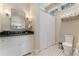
(67,44)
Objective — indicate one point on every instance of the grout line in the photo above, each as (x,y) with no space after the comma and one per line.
(61,52)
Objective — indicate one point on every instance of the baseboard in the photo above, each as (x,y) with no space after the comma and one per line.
(56,42)
(27,54)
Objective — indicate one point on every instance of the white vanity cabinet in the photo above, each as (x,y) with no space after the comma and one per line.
(26,45)
(16,45)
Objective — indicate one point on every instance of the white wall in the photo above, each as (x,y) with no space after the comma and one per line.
(14,45)
(73,10)
(43,26)
(67,27)
(5,23)
(34,15)
(0,23)
(7,6)
(71,27)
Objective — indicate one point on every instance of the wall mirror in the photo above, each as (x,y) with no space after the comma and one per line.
(17,19)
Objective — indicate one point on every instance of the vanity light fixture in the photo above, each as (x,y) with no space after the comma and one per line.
(28,20)
(7,12)
(1,11)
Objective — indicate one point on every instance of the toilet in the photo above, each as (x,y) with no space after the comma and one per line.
(68,45)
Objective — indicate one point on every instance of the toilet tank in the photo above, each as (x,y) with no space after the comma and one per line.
(68,38)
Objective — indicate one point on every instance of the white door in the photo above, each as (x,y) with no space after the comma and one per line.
(51,30)
(47,30)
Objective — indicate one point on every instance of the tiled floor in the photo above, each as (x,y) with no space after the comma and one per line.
(51,51)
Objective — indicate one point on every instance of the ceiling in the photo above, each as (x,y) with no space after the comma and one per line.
(26,6)
(44,6)
(49,6)
(6,7)
(16,5)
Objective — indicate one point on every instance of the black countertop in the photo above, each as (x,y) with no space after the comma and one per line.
(15,33)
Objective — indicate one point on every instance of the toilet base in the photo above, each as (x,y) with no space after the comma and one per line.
(67,50)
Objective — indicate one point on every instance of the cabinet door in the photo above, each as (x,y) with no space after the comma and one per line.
(16,45)
(27,44)
(22,44)
(8,47)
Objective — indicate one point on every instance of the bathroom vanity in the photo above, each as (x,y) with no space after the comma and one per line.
(16,44)
(16,38)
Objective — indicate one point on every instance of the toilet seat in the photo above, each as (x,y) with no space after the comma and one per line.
(67,44)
